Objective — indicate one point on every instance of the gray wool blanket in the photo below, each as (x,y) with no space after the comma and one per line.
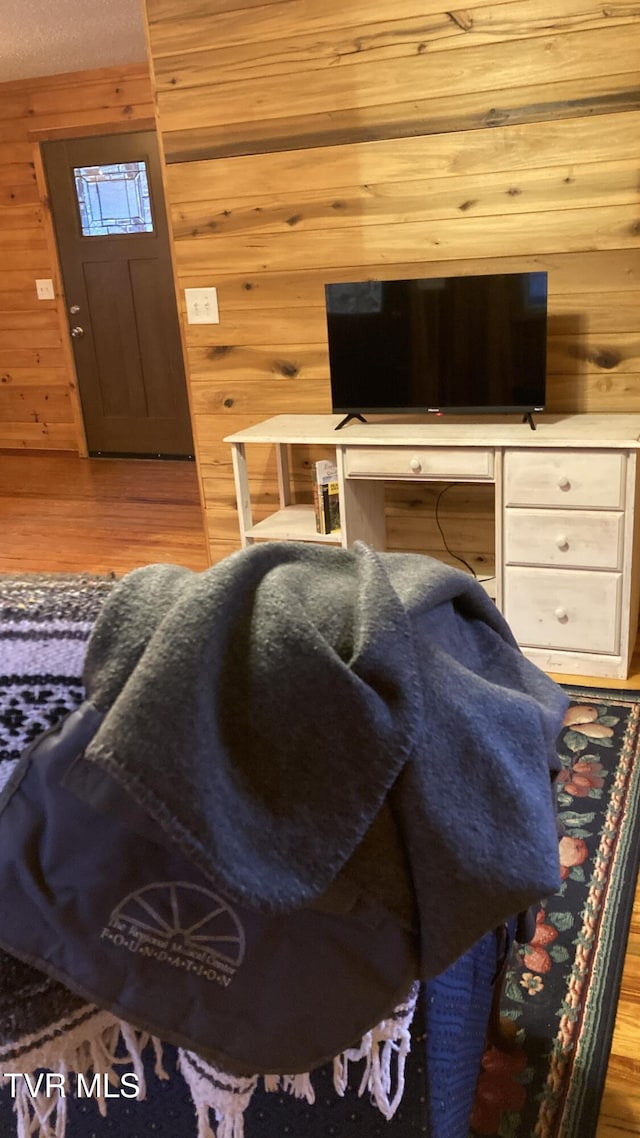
(311,726)
(298,781)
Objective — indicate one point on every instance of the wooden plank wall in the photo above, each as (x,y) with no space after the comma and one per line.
(323,140)
(38,403)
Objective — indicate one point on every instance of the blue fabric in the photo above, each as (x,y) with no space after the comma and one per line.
(457,1010)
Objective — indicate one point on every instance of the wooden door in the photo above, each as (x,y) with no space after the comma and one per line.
(111,227)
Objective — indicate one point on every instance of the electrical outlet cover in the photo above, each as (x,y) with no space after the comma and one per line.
(44,289)
(202,305)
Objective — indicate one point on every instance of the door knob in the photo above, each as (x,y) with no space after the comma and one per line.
(77,333)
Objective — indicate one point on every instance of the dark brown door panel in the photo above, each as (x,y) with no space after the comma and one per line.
(111,227)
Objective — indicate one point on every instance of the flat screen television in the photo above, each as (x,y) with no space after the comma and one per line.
(472,344)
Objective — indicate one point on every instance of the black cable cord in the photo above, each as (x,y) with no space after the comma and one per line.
(444,540)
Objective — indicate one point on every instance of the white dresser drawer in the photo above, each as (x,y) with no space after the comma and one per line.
(564,609)
(417,462)
(567,479)
(572,539)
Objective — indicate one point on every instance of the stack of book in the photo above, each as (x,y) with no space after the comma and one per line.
(326,499)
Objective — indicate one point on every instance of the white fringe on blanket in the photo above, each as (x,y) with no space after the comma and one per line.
(84,1044)
(391,1038)
(93,1045)
(227,1096)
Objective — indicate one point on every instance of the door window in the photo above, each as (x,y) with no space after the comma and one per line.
(113,199)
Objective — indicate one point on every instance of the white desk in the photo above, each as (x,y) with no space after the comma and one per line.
(566,529)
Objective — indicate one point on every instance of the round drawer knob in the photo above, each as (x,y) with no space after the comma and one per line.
(562,542)
(561,615)
(415,465)
(564,483)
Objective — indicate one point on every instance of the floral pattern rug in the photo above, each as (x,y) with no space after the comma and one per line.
(559,998)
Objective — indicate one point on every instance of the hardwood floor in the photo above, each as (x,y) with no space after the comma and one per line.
(59,513)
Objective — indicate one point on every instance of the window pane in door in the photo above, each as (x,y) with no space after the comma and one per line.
(113,199)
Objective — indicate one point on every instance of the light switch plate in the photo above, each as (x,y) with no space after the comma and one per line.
(202,305)
(44,290)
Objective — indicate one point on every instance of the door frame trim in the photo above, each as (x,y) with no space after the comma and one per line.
(63,323)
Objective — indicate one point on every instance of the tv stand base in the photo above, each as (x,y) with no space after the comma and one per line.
(528,418)
(348,418)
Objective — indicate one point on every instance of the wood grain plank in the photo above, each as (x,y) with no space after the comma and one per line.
(303,396)
(131,118)
(77,82)
(359,83)
(177,30)
(112,93)
(590,353)
(532,146)
(38,436)
(32,376)
(626,1033)
(14,241)
(582,274)
(250,394)
(220,548)
(569,314)
(565,187)
(14,103)
(418,117)
(217,478)
(15,152)
(21,216)
(291,53)
(373,25)
(461,500)
(24,302)
(29,320)
(17,174)
(303,325)
(19,194)
(258,362)
(157,11)
(13,281)
(562,230)
(32,357)
(36,404)
(596,313)
(12,129)
(107,120)
(38,338)
(35,259)
(584,392)
(419,532)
